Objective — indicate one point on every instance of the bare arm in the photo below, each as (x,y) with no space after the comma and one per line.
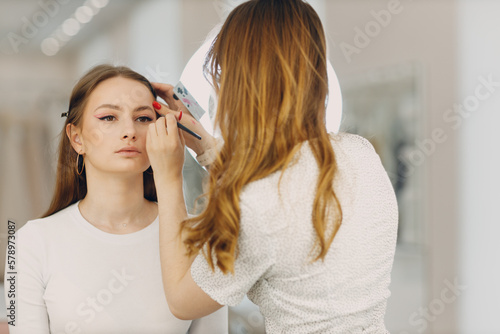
(166,153)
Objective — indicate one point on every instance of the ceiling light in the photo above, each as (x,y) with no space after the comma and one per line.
(84,14)
(71,27)
(50,46)
(99,3)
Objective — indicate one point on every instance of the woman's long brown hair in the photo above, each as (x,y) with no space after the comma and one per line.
(71,187)
(269,68)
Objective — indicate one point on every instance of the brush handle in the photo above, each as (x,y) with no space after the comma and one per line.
(182,127)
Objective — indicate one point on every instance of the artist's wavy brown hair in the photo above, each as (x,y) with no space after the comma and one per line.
(268,66)
(71,187)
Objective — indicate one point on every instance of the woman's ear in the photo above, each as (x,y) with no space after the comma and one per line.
(74,136)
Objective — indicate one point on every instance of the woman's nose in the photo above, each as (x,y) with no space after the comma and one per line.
(129,130)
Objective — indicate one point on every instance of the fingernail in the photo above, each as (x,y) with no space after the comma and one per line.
(180,115)
(175,97)
(156,105)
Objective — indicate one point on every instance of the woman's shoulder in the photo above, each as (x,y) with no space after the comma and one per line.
(356,151)
(351,142)
(349,148)
(304,163)
(48,225)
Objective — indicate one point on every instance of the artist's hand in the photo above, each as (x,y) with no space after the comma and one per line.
(165,147)
(166,92)
(174,106)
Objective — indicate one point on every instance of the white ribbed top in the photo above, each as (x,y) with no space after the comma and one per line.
(75,278)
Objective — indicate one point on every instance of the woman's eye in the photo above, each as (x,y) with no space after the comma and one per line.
(144,119)
(107,118)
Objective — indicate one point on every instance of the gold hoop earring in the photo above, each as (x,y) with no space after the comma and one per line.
(152,173)
(77,163)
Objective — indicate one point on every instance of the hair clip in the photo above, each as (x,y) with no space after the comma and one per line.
(65,114)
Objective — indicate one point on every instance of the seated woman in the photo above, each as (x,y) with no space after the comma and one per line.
(91,264)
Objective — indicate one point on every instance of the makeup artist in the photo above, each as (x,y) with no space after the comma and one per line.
(302,221)
(91,263)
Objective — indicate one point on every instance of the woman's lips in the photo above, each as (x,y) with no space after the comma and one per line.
(129,151)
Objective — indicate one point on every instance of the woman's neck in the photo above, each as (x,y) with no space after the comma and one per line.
(116,204)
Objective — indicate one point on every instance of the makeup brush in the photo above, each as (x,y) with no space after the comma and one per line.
(157,106)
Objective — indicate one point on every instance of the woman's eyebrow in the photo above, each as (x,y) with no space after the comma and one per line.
(109,106)
(141,108)
(116,107)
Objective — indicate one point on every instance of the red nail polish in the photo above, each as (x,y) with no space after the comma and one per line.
(180,116)
(156,105)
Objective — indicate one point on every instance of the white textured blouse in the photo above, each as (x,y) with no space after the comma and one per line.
(345,293)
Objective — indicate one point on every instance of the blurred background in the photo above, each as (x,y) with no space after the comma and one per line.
(420,79)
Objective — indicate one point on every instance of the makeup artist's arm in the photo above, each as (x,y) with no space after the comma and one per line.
(166,154)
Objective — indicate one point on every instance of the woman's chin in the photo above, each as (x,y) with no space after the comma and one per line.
(124,172)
